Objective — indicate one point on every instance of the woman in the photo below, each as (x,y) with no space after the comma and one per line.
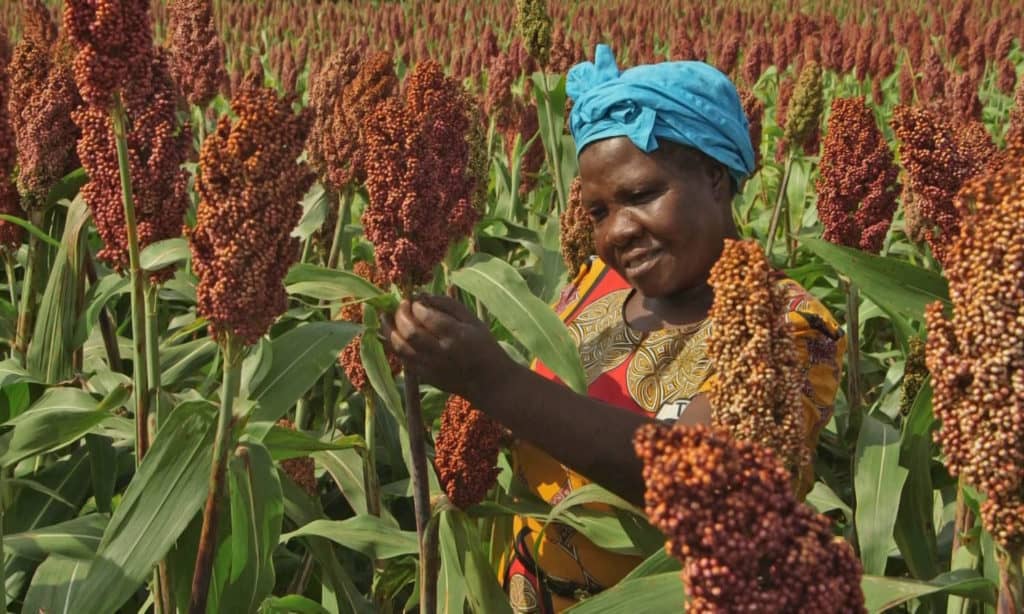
(662,151)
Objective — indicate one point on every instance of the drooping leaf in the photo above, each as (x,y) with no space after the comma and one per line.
(372,536)
(55,585)
(96,300)
(53,336)
(59,417)
(179,361)
(332,285)
(882,593)
(301,509)
(13,373)
(824,499)
(291,604)
(914,531)
(894,285)
(77,539)
(483,590)
(346,468)
(451,582)
(257,509)
(299,358)
(166,492)
(288,443)
(658,593)
(878,481)
(164,253)
(534,324)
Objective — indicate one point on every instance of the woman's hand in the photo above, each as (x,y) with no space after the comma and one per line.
(445,344)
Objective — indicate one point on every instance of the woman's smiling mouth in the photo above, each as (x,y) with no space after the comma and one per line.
(637,263)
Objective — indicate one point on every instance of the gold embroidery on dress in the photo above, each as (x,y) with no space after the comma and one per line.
(670,365)
(603,338)
(521,595)
(667,366)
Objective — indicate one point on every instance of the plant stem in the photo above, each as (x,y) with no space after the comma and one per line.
(344,217)
(26,311)
(106,326)
(3,557)
(1011,583)
(9,266)
(370,467)
(140,372)
(153,356)
(301,413)
(853,360)
(231,351)
(555,157)
(963,519)
(773,227)
(421,494)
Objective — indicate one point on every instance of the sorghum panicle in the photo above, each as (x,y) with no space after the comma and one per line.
(534,26)
(345,90)
(43,98)
(857,187)
(976,357)
(301,470)
(746,543)
(753,108)
(420,175)
(157,147)
(250,185)
(804,110)
(577,238)
(756,390)
(10,234)
(938,157)
(466,452)
(197,52)
(114,39)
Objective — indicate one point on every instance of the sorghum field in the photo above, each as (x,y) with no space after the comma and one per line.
(206,206)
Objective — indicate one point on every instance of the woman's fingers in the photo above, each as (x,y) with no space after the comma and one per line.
(415,336)
(449,306)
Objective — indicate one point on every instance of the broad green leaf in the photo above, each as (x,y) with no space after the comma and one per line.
(96,300)
(53,336)
(13,373)
(59,417)
(534,324)
(824,499)
(299,358)
(288,443)
(166,492)
(77,539)
(623,516)
(332,285)
(914,531)
(163,254)
(36,486)
(658,563)
(372,536)
(255,367)
(451,583)
(375,362)
(485,593)
(56,584)
(178,362)
(658,593)
(314,211)
(102,470)
(882,593)
(257,509)
(291,604)
(301,509)
(346,468)
(894,285)
(878,481)
(67,187)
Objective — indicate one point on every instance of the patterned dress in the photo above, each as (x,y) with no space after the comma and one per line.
(656,374)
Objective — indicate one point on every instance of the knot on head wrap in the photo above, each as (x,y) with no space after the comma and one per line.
(690,103)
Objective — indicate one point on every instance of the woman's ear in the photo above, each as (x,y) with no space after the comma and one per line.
(721,182)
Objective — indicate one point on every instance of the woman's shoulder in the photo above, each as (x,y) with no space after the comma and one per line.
(805,311)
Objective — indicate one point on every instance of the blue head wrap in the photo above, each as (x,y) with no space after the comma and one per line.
(690,103)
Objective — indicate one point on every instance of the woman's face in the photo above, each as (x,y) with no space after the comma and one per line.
(660,219)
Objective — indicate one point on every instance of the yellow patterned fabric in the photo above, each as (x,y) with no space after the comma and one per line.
(656,374)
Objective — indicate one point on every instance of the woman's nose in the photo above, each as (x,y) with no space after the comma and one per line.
(623,227)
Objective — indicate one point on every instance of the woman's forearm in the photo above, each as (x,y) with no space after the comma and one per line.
(590,437)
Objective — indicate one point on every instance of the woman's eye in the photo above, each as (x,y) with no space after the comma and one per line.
(597,213)
(644,196)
